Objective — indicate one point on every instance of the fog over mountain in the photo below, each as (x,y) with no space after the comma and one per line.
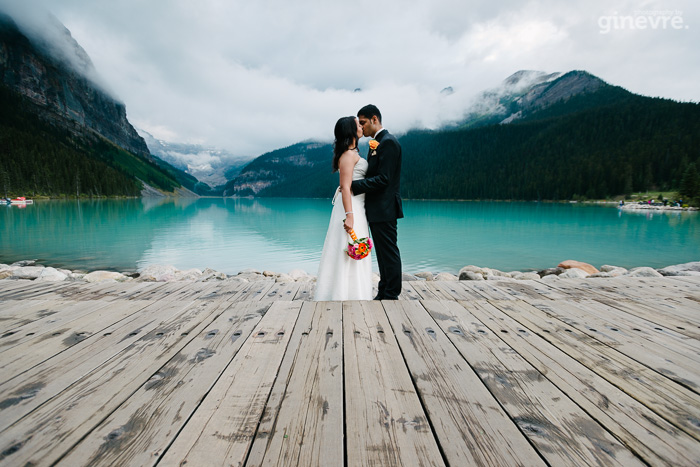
(209,165)
(250,77)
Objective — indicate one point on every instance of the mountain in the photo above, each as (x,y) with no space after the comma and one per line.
(61,132)
(537,136)
(277,172)
(209,165)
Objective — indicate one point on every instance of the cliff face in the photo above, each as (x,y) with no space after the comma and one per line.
(53,74)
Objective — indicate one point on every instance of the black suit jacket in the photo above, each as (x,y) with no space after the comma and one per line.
(382,182)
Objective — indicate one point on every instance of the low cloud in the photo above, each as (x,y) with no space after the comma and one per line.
(250,77)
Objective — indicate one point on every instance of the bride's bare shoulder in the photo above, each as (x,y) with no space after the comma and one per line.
(349,158)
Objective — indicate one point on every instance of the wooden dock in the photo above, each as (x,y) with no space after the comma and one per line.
(564,373)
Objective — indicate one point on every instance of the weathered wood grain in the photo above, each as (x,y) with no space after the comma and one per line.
(490,290)
(420,288)
(305,291)
(43,436)
(64,316)
(222,429)
(303,420)
(637,425)
(142,428)
(282,291)
(385,422)
(666,313)
(653,347)
(671,401)
(470,424)
(154,373)
(562,432)
(408,292)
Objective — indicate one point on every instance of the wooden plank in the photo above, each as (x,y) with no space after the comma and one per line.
(520,291)
(680,307)
(40,347)
(471,426)
(44,435)
(646,433)
(423,291)
(281,291)
(677,404)
(652,348)
(306,291)
(32,290)
(21,312)
(10,286)
(52,324)
(88,291)
(253,291)
(170,291)
(224,289)
(582,289)
(11,308)
(490,290)
(142,428)
(274,402)
(562,432)
(661,312)
(536,288)
(385,422)
(659,326)
(303,420)
(408,292)
(659,287)
(440,290)
(652,327)
(34,387)
(223,427)
(453,290)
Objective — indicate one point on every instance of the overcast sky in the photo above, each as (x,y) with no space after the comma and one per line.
(252,76)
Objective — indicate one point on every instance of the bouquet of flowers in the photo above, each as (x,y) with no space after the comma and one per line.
(359,247)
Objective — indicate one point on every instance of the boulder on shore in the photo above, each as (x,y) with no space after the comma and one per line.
(570,263)
(526,276)
(574,273)
(550,272)
(101,276)
(643,272)
(470,276)
(445,276)
(52,275)
(686,269)
(27,272)
(427,275)
(158,273)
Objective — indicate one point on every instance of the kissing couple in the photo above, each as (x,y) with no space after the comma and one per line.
(367,202)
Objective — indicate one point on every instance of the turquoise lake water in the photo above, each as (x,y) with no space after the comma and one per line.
(230,235)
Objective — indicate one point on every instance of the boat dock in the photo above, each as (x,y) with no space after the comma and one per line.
(533,373)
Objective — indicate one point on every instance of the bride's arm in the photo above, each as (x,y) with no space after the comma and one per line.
(346,166)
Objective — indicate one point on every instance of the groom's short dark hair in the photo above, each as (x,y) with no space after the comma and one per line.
(370,111)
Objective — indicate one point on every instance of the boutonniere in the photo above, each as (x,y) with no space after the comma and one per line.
(373,145)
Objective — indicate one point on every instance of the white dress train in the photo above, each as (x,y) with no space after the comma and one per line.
(339,276)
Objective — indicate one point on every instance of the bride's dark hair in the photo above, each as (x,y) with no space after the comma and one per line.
(345,136)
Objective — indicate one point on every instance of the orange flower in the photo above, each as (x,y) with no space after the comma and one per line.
(373,144)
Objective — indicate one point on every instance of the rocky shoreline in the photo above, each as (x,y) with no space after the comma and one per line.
(570,269)
(655,207)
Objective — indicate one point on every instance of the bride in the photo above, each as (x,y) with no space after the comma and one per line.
(339,276)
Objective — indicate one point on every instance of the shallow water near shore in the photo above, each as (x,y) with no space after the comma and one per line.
(230,235)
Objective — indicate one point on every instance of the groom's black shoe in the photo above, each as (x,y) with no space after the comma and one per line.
(378,298)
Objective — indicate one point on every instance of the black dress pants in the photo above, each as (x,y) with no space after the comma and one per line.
(386,249)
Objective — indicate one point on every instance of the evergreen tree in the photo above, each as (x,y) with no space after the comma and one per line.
(690,185)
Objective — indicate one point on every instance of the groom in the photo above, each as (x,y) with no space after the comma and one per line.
(382,200)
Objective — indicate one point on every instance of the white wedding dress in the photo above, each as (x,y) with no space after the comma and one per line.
(339,276)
